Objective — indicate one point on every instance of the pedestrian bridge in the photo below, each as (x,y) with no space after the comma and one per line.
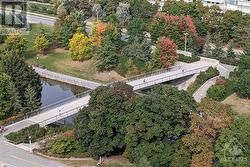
(71,106)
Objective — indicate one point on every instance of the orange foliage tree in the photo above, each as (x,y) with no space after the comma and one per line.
(205,129)
(98,30)
(167,50)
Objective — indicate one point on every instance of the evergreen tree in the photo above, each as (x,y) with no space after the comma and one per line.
(15,100)
(230,52)
(32,103)
(21,75)
(217,52)
(207,50)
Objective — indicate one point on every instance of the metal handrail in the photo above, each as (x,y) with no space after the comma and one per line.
(169,76)
(58,116)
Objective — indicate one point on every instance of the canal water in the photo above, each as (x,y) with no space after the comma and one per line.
(54,91)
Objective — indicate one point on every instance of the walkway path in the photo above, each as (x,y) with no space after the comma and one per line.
(202,91)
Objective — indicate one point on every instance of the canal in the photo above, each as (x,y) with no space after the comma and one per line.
(54,91)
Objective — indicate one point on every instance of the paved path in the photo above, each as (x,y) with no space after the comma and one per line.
(11,156)
(202,91)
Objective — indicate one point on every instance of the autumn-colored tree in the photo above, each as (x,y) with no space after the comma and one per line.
(98,30)
(80,47)
(205,129)
(173,27)
(167,50)
(41,43)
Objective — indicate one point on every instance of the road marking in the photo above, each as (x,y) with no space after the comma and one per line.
(34,163)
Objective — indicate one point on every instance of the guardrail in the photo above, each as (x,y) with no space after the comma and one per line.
(170,77)
(59,116)
(49,107)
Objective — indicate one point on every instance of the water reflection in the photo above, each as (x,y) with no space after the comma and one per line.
(54,91)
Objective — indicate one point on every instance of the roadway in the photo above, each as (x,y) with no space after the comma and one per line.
(11,156)
(41,19)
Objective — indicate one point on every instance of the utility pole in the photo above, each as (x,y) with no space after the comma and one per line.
(185,34)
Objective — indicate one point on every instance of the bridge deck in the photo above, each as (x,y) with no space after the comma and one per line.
(73,107)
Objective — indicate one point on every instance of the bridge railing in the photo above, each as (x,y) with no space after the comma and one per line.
(48,107)
(148,74)
(59,116)
(169,77)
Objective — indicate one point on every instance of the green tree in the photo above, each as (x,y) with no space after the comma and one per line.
(217,52)
(142,9)
(217,92)
(101,127)
(32,103)
(155,125)
(243,85)
(107,57)
(207,49)
(79,47)
(247,47)
(107,54)
(41,43)
(234,144)
(136,27)
(230,21)
(5,82)
(15,44)
(205,128)
(123,14)
(21,75)
(230,51)
(138,49)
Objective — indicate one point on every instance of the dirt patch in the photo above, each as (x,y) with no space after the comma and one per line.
(240,105)
(87,68)
(108,76)
(57,50)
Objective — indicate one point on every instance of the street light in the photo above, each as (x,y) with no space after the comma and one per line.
(30,144)
(185,34)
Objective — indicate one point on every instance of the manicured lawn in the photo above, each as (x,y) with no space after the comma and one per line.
(241,106)
(59,60)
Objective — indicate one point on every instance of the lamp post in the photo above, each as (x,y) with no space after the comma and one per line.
(185,34)
(30,144)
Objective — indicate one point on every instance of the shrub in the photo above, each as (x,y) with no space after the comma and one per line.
(65,146)
(243,85)
(80,47)
(42,8)
(202,78)
(217,92)
(188,59)
(22,136)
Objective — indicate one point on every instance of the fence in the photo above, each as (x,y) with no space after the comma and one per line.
(170,77)
(65,78)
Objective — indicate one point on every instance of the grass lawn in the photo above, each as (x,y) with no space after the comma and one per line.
(241,106)
(59,60)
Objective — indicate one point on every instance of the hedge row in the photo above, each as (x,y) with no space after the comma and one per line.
(22,136)
(42,8)
(36,132)
(188,59)
(202,78)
